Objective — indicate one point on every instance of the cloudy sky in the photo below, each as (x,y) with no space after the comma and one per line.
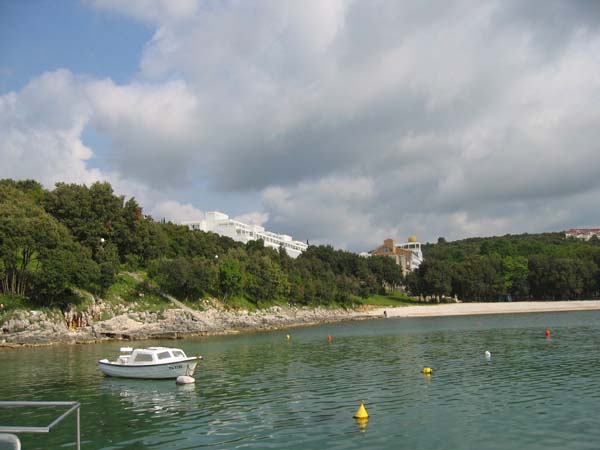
(341,122)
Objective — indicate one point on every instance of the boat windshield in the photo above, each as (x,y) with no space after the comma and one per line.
(178,354)
(143,357)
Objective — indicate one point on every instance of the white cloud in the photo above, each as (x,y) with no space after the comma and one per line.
(253,218)
(351,121)
(176,212)
(42,126)
(154,129)
(44,122)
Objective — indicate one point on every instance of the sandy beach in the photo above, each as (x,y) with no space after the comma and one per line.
(462,309)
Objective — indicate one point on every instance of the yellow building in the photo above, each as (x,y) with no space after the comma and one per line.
(402,256)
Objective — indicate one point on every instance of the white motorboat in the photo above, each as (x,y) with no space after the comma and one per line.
(151,363)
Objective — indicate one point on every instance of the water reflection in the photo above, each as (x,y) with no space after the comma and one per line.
(362,424)
(161,398)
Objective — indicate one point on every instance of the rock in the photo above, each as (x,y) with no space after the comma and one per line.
(41,327)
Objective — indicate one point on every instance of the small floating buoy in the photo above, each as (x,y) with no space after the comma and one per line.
(287,336)
(361,413)
(184,379)
(488,355)
(329,338)
(426,371)
(547,332)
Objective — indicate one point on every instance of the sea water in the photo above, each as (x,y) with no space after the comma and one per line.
(264,391)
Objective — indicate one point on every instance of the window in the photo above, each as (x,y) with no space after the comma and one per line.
(143,357)
(178,354)
(164,355)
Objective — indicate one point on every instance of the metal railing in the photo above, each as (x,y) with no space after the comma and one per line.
(74,406)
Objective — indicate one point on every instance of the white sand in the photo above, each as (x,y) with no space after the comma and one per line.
(461,309)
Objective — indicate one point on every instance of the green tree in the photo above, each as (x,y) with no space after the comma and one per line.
(437,278)
(27,233)
(516,274)
(107,257)
(31,188)
(38,256)
(230,277)
(63,268)
(265,281)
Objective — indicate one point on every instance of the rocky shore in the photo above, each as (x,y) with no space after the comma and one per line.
(25,328)
(45,328)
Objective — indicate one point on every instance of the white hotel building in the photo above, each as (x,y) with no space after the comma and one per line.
(221,224)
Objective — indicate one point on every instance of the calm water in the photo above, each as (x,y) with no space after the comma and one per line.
(261,391)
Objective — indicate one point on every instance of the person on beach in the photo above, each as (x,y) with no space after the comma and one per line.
(385,313)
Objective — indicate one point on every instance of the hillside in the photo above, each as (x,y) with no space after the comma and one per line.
(528,266)
(75,237)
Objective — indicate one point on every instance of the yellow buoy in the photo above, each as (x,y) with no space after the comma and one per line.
(361,413)
(426,371)
(287,336)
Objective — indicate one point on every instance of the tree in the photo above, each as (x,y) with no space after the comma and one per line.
(437,278)
(479,278)
(107,258)
(63,268)
(539,268)
(255,245)
(91,214)
(230,277)
(183,277)
(31,188)
(38,257)
(516,273)
(265,281)
(27,233)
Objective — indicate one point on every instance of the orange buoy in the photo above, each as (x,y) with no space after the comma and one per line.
(329,338)
(547,332)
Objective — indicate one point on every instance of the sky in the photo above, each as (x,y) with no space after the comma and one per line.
(341,122)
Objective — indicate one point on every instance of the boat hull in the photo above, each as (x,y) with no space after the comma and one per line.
(150,371)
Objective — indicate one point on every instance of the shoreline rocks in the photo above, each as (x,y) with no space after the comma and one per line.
(30,328)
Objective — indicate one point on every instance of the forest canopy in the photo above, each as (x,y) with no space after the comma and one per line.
(75,236)
(80,237)
(547,266)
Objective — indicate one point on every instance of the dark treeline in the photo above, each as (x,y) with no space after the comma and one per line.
(76,236)
(545,266)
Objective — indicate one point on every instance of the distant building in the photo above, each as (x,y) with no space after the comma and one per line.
(221,224)
(407,255)
(583,233)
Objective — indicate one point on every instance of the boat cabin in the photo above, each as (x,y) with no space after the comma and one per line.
(151,355)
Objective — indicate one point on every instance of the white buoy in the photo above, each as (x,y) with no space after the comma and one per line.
(184,379)
(488,355)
